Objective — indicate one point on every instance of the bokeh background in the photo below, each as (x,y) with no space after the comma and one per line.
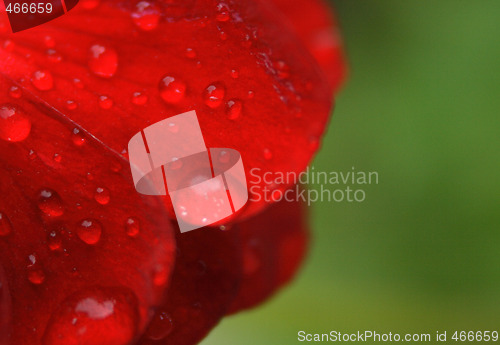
(422,253)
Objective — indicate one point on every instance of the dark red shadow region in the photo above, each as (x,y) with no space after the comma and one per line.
(26,14)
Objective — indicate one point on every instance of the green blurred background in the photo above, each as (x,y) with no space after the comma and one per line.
(421,254)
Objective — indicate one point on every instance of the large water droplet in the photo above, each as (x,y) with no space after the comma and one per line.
(42,80)
(190,53)
(214,95)
(146,16)
(89,231)
(5,225)
(50,203)
(172,90)
(103,61)
(160,327)
(267,154)
(97,316)
(14,124)
(132,227)
(102,195)
(233,109)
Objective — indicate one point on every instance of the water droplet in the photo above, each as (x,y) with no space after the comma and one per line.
(42,80)
(78,83)
(132,227)
(190,53)
(233,109)
(5,225)
(223,35)
(173,128)
(89,231)
(77,137)
(224,156)
(138,98)
(8,45)
(54,240)
(14,125)
(268,154)
(282,69)
(234,73)
(57,158)
(105,102)
(175,164)
(214,95)
(102,195)
(172,90)
(35,272)
(50,203)
(90,176)
(53,56)
(160,327)
(222,12)
(103,61)
(15,92)
(146,16)
(71,105)
(96,315)
(49,42)
(32,155)
(251,94)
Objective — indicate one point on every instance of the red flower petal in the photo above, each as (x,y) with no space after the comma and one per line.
(175,56)
(315,24)
(274,244)
(66,206)
(205,281)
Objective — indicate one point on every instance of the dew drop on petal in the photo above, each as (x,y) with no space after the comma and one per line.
(53,56)
(5,225)
(234,73)
(89,231)
(251,94)
(105,102)
(222,12)
(282,69)
(15,92)
(172,90)
(132,227)
(14,124)
(71,105)
(190,53)
(103,61)
(213,95)
(160,275)
(102,195)
(138,98)
(54,240)
(160,327)
(268,154)
(77,137)
(146,16)
(224,156)
(233,109)
(50,203)
(35,273)
(57,158)
(49,42)
(42,80)
(96,315)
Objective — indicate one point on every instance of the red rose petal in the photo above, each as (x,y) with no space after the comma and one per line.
(317,27)
(283,100)
(205,281)
(57,239)
(273,246)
